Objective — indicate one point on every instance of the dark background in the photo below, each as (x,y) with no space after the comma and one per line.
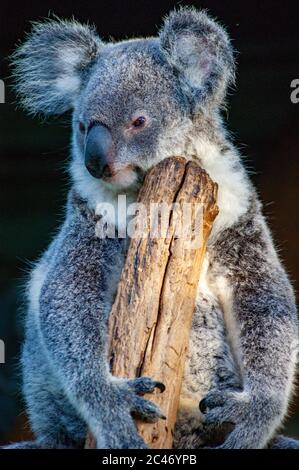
(33,181)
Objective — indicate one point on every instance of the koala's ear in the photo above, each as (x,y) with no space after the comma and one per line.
(52,63)
(200,52)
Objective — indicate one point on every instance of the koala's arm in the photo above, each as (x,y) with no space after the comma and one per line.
(261,319)
(74,306)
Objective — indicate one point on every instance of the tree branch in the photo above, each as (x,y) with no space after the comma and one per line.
(150,321)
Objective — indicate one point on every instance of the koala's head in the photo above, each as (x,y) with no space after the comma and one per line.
(132,101)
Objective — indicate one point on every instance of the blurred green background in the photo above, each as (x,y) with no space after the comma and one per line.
(34,154)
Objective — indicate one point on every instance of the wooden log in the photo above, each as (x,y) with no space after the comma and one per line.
(150,321)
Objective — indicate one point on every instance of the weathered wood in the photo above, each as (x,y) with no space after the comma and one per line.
(150,321)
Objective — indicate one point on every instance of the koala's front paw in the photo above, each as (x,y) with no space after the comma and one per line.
(121,403)
(139,407)
(251,417)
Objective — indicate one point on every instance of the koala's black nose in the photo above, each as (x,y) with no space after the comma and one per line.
(98,151)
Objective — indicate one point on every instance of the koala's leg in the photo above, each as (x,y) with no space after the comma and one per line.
(53,420)
(37,445)
(283,442)
(74,304)
(23,445)
(262,323)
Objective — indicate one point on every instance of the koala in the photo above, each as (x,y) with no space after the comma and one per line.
(133,104)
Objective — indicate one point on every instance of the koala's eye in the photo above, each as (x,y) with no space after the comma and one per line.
(139,122)
(81,127)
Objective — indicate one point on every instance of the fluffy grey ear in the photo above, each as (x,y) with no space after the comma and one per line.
(200,51)
(50,66)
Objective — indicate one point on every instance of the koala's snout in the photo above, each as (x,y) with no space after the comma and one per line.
(99,151)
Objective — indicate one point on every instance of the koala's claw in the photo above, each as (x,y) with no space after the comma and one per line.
(143,385)
(146,410)
(220,406)
(212,400)
(131,389)
(242,414)
(160,386)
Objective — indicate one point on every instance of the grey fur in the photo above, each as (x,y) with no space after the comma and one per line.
(243,343)
(40,59)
